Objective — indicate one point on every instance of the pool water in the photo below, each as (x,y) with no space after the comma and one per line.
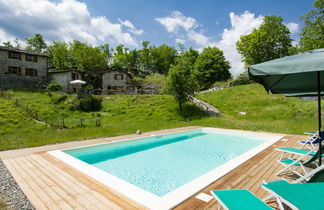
(160,164)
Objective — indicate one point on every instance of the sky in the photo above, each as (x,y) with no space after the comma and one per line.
(193,23)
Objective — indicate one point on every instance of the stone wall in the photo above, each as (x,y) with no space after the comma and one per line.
(14,82)
(40,65)
(108,79)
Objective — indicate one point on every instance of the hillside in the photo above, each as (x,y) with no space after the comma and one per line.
(263,111)
(124,114)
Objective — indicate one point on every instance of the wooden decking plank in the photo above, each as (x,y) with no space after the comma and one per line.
(50,204)
(35,174)
(101,191)
(31,195)
(50,179)
(73,189)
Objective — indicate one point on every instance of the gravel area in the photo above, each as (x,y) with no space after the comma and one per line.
(10,192)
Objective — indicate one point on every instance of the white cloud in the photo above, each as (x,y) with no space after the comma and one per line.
(131,27)
(66,20)
(293,27)
(240,25)
(185,29)
(4,36)
(181,41)
(176,21)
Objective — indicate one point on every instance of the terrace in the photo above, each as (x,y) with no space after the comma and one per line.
(51,184)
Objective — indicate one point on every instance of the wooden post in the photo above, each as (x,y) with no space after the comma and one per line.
(81,122)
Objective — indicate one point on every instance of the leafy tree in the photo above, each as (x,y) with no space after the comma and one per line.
(7,44)
(312,35)
(211,67)
(36,43)
(192,55)
(181,81)
(144,57)
(161,58)
(87,58)
(59,55)
(17,44)
(272,40)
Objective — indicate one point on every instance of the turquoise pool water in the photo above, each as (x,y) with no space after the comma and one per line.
(160,164)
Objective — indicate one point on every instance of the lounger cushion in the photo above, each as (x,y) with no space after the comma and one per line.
(307,196)
(295,151)
(239,199)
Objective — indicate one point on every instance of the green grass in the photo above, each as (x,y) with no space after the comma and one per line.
(124,114)
(264,112)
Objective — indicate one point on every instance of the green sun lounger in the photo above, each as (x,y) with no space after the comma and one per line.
(296,151)
(239,200)
(306,196)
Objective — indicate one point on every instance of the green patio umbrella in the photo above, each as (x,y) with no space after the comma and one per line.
(297,75)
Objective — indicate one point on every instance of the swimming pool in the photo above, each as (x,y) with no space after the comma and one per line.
(161,171)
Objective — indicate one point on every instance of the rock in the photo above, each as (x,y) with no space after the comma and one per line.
(10,192)
(138,132)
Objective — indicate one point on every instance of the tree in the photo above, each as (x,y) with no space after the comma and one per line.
(36,43)
(161,58)
(211,66)
(84,57)
(272,40)
(7,44)
(312,35)
(191,54)
(59,55)
(181,81)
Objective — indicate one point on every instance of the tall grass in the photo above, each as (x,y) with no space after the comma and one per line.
(124,114)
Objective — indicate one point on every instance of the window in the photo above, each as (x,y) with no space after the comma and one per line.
(119,77)
(14,55)
(32,58)
(31,72)
(75,76)
(14,70)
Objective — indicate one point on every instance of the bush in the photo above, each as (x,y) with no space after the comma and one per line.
(242,79)
(89,103)
(52,87)
(59,98)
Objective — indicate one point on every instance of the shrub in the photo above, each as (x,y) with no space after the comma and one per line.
(52,87)
(59,98)
(242,79)
(89,103)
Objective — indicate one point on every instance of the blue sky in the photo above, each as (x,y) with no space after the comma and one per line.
(198,24)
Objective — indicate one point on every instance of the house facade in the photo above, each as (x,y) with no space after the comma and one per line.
(63,78)
(22,69)
(117,82)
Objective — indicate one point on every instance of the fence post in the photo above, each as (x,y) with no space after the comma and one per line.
(98,123)
(63,124)
(81,122)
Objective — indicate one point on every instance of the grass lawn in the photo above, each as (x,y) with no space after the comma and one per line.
(124,114)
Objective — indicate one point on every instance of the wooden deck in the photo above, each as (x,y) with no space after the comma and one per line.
(51,184)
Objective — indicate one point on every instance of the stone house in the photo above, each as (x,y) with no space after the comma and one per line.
(63,78)
(22,69)
(117,82)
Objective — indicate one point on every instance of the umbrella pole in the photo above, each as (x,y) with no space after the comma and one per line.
(319,117)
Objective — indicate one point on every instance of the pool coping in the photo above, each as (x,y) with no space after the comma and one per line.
(180,194)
